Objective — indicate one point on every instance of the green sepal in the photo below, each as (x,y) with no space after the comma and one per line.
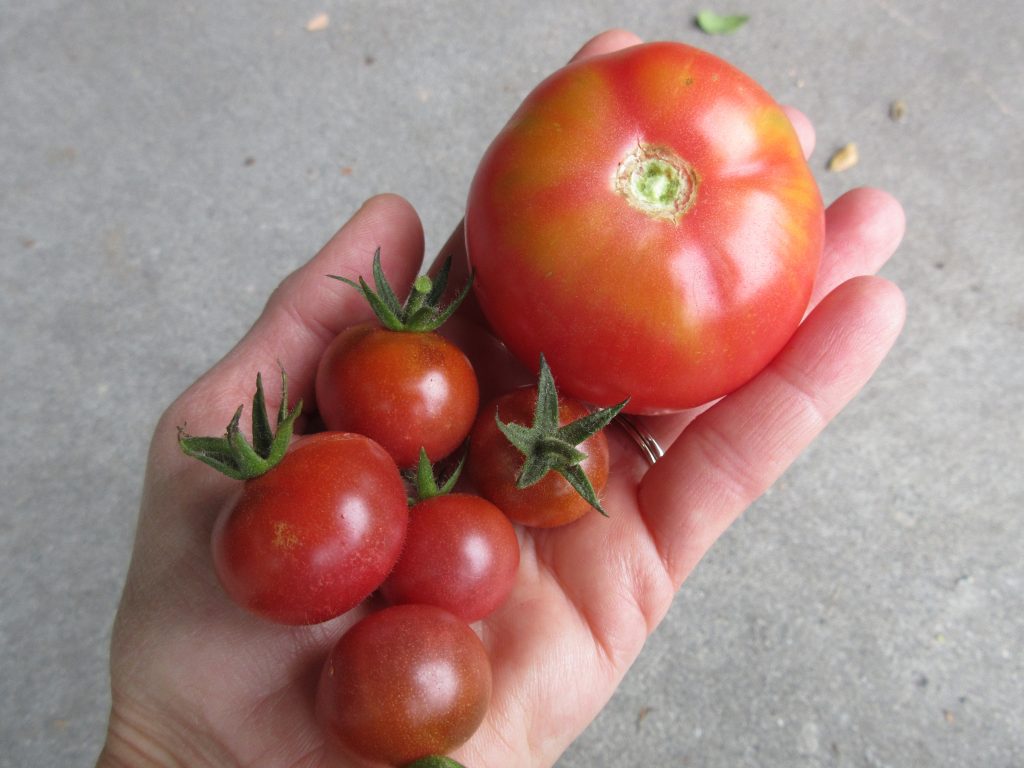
(547,447)
(578,479)
(214,451)
(434,761)
(440,282)
(262,432)
(388,315)
(382,285)
(232,454)
(585,426)
(427,481)
(421,312)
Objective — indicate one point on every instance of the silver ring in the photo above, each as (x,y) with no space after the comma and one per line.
(646,443)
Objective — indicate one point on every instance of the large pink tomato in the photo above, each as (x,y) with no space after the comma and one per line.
(648,222)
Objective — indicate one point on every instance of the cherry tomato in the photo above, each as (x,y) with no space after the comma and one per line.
(493,464)
(404,683)
(406,390)
(316,534)
(648,222)
(461,554)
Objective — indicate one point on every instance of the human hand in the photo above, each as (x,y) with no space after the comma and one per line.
(197,681)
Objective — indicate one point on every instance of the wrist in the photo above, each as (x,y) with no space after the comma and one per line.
(124,750)
(135,741)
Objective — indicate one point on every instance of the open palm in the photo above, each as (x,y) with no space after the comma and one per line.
(197,681)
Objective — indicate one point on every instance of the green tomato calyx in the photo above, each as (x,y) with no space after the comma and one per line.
(232,454)
(549,447)
(658,182)
(434,761)
(427,481)
(421,312)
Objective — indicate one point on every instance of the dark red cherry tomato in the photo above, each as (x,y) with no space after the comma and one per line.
(494,463)
(317,533)
(405,390)
(461,554)
(404,683)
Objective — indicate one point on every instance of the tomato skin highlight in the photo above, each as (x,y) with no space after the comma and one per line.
(461,554)
(670,312)
(406,390)
(315,535)
(494,463)
(403,683)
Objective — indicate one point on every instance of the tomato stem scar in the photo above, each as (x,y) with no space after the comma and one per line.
(658,182)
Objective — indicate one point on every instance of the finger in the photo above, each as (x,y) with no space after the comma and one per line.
(803,127)
(306,311)
(609,41)
(863,228)
(732,453)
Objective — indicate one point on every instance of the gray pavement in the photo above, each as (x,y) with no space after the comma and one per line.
(164,165)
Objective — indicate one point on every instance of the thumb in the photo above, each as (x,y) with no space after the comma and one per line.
(304,313)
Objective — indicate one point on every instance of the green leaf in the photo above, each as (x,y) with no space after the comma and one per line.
(714,24)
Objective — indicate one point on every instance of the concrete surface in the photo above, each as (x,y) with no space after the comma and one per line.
(164,165)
